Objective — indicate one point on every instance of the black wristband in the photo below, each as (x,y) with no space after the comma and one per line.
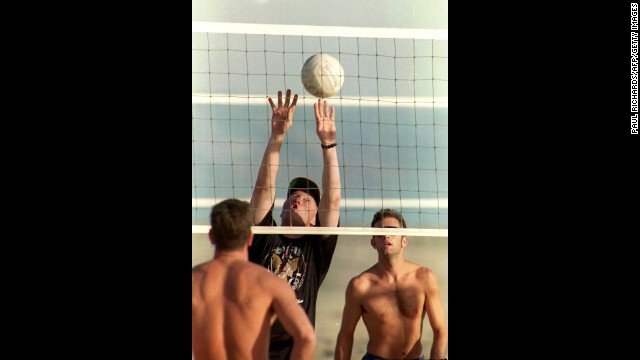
(328,146)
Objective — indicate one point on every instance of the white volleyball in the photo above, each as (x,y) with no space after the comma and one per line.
(322,75)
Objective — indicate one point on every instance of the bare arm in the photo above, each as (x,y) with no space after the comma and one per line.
(264,191)
(294,319)
(329,207)
(350,317)
(435,311)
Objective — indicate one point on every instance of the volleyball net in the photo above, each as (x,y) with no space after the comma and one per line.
(391,120)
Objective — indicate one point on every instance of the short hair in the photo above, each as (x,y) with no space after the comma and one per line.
(231,221)
(388,213)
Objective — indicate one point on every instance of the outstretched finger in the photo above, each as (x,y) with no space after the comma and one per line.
(273,107)
(292,107)
(288,98)
(333,113)
(279,99)
(326,107)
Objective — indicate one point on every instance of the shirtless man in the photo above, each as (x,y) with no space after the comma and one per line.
(392,297)
(234,302)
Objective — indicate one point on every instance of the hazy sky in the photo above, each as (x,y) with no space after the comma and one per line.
(371,133)
(419,14)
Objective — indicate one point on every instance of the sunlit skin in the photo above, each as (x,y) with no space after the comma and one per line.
(264,192)
(233,304)
(392,298)
(299,210)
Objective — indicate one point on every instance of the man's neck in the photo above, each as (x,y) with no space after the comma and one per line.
(293,236)
(230,255)
(391,267)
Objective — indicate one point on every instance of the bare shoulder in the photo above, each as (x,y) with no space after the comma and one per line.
(197,268)
(198,271)
(423,271)
(266,280)
(362,282)
(426,275)
(198,274)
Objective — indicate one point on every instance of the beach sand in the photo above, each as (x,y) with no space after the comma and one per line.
(352,256)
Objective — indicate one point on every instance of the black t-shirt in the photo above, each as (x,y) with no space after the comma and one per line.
(303,263)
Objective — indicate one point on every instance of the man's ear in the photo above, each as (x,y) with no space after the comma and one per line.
(212,238)
(373,243)
(405,241)
(250,239)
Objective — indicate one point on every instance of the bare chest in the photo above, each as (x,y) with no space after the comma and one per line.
(390,300)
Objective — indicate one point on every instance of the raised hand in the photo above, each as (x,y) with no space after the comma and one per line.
(283,115)
(325,124)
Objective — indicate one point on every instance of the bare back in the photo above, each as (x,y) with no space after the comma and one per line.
(393,312)
(231,310)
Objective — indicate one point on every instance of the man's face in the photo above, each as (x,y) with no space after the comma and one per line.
(389,244)
(299,209)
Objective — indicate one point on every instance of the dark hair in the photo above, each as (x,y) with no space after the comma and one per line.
(231,221)
(388,213)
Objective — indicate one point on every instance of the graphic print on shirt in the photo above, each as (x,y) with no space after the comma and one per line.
(288,263)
